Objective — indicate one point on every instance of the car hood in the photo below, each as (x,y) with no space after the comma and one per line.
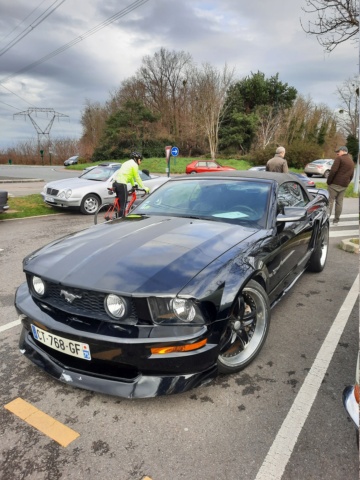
(136,255)
(73,183)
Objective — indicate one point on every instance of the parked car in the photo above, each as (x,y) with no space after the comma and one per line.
(88,191)
(351,397)
(3,201)
(319,167)
(308,183)
(103,164)
(72,160)
(164,299)
(301,176)
(201,166)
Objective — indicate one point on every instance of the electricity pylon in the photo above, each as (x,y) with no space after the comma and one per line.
(42,133)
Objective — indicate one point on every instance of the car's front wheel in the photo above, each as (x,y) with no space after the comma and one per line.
(309,175)
(247,329)
(319,255)
(90,204)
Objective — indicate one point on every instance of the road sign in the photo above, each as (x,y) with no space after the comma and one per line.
(174,151)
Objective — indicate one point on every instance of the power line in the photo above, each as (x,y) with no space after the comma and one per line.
(31,27)
(22,21)
(87,34)
(23,99)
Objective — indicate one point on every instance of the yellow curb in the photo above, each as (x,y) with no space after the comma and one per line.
(42,422)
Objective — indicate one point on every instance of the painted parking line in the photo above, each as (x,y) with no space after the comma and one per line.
(283,445)
(10,325)
(42,422)
(344,233)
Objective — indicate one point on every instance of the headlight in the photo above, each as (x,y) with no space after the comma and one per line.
(115,306)
(38,286)
(175,311)
(65,193)
(44,189)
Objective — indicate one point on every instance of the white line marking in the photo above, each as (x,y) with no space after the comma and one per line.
(346,215)
(344,233)
(280,451)
(10,325)
(345,224)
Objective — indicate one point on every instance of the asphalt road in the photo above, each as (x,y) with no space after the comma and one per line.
(239,426)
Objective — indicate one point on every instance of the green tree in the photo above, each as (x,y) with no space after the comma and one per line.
(127,129)
(244,98)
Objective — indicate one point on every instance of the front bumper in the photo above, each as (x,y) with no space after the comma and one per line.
(61,202)
(121,365)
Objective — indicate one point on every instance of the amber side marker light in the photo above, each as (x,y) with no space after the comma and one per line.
(182,348)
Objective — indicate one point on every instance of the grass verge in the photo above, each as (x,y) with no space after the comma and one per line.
(29,206)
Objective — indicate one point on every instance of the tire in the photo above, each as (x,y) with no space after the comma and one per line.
(90,204)
(309,175)
(326,174)
(99,216)
(247,329)
(318,258)
(193,173)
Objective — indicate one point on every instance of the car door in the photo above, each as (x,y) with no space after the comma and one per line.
(294,237)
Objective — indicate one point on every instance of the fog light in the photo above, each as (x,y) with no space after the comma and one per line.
(38,285)
(115,306)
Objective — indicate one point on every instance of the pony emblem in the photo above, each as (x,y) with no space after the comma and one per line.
(69,297)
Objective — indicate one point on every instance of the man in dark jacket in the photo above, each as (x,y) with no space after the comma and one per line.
(278,163)
(340,175)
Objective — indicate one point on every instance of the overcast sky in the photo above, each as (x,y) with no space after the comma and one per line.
(251,36)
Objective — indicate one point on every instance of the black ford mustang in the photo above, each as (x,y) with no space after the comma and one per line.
(181,289)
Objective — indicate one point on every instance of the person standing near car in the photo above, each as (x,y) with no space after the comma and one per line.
(340,175)
(278,163)
(128,173)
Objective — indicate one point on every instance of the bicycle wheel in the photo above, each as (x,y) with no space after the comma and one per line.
(105,213)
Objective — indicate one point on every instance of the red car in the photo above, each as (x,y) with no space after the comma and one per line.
(201,166)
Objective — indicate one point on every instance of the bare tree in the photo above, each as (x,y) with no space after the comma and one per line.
(211,88)
(348,116)
(165,76)
(270,120)
(337,21)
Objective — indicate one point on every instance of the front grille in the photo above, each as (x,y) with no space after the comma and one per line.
(88,303)
(52,191)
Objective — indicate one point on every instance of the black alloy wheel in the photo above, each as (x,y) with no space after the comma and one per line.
(247,329)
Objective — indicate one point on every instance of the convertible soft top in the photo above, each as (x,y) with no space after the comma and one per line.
(277,177)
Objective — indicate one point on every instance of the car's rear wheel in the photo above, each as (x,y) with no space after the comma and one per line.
(247,329)
(326,174)
(318,258)
(90,203)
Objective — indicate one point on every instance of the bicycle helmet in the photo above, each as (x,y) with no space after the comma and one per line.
(136,156)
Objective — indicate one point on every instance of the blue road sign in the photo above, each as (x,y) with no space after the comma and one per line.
(174,151)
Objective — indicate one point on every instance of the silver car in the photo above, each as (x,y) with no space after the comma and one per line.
(319,167)
(88,191)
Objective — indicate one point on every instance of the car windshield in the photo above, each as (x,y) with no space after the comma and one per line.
(99,174)
(231,201)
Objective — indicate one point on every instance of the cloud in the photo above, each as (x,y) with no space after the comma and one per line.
(248,36)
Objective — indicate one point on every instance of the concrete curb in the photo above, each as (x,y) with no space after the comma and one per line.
(349,246)
(22,180)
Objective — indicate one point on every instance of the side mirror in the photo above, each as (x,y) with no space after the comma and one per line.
(292,214)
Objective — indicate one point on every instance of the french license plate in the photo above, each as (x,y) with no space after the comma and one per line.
(49,199)
(70,347)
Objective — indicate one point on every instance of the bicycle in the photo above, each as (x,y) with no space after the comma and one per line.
(111,211)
